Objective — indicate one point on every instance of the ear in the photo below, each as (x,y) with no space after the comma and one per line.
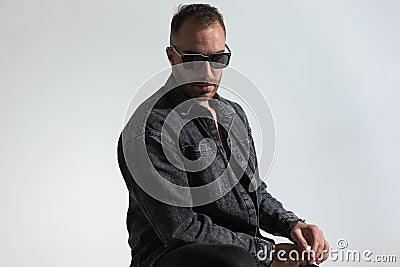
(170,55)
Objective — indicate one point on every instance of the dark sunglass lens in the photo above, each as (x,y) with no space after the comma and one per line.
(192,61)
(219,61)
(191,58)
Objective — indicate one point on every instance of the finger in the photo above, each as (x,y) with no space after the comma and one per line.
(301,242)
(319,251)
(326,251)
(306,256)
(303,259)
(314,249)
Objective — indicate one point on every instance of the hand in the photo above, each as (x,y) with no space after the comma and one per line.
(310,235)
(282,256)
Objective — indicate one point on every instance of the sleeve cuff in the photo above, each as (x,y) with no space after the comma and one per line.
(288,229)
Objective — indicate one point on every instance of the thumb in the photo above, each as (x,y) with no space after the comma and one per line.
(301,242)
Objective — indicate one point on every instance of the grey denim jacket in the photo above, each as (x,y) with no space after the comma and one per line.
(163,164)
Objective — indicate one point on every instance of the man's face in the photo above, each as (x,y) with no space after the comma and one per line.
(195,39)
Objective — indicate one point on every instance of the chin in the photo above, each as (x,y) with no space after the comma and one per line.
(208,95)
(201,91)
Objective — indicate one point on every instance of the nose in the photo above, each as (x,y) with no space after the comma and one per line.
(206,71)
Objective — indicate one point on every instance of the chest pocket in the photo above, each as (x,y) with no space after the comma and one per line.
(202,163)
(205,149)
(199,158)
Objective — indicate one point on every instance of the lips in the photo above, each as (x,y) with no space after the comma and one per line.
(204,84)
(205,87)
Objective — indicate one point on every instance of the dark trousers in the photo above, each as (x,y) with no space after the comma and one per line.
(210,255)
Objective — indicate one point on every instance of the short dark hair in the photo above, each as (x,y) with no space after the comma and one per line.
(203,14)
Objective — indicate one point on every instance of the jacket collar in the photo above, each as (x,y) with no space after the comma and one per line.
(177,96)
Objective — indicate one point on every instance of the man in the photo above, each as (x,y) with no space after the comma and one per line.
(188,160)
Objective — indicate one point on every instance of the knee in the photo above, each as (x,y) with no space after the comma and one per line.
(235,256)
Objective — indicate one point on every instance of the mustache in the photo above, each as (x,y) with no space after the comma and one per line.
(206,81)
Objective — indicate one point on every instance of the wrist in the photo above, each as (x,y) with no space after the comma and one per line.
(292,225)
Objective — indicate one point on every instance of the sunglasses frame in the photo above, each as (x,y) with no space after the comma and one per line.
(204,58)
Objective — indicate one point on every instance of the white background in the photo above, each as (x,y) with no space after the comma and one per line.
(68,69)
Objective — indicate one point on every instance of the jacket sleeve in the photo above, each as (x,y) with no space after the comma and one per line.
(175,225)
(274,218)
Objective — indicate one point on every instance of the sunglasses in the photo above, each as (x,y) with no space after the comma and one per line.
(195,61)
